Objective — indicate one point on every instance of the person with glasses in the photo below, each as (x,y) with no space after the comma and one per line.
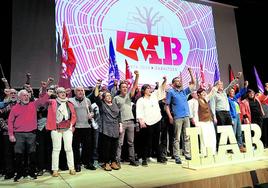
(61,119)
(109,128)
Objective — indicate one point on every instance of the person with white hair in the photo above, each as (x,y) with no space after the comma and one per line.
(22,126)
(61,119)
(83,130)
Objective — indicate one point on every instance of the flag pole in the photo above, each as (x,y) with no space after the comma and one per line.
(2,72)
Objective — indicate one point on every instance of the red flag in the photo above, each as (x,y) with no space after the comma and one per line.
(231,75)
(202,75)
(68,62)
(128,74)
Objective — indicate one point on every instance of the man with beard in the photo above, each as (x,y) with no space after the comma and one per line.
(22,126)
(177,101)
(123,100)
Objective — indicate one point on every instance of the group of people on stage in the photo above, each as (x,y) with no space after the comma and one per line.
(59,131)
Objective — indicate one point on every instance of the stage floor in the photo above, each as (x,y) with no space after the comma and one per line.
(155,175)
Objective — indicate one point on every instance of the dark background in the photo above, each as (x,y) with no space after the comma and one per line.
(252,35)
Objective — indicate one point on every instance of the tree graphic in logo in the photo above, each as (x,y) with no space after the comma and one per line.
(148,19)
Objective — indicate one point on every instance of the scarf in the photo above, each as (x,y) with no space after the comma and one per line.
(62,111)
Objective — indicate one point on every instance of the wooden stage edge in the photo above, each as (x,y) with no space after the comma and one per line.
(170,175)
(245,173)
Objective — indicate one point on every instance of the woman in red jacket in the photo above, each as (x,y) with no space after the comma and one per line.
(61,119)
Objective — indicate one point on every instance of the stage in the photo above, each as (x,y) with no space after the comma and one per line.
(168,175)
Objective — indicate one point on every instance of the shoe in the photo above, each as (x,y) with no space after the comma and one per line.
(107,167)
(133,163)
(18,177)
(55,173)
(152,160)
(77,168)
(90,167)
(177,160)
(72,172)
(161,160)
(96,164)
(33,176)
(119,165)
(188,158)
(40,173)
(144,163)
(243,149)
(115,166)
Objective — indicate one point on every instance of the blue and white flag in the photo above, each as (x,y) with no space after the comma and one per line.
(113,68)
(216,74)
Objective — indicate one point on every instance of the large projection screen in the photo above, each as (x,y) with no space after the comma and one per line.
(157,38)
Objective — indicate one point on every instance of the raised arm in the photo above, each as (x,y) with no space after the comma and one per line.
(192,76)
(135,85)
(114,89)
(44,86)
(235,81)
(28,78)
(164,83)
(212,92)
(97,88)
(193,81)
(242,91)
(7,86)
(161,91)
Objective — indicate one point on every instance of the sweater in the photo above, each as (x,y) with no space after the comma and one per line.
(82,109)
(23,118)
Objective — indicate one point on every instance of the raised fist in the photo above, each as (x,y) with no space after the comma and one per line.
(4,80)
(28,75)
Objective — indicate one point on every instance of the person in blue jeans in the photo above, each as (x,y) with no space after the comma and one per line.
(235,113)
